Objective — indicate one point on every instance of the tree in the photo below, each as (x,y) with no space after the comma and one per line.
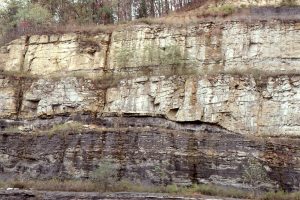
(37,12)
(34,14)
(8,14)
(142,10)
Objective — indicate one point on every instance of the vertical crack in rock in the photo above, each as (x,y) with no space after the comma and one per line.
(107,51)
(19,96)
(24,53)
(21,80)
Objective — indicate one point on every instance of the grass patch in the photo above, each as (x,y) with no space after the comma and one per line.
(280,196)
(129,186)
(125,186)
(64,129)
(289,3)
(12,129)
(219,11)
(203,13)
(208,189)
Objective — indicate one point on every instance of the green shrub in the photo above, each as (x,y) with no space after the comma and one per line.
(105,176)
(255,174)
(223,11)
(12,129)
(288,3)
(213,190)
(173,189)
(33,13)
(66,128)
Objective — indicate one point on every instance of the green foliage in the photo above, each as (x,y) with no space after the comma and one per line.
(173,189)
(213,190)
(66,128)
(8,14)
(224,10)
(169,55)
(160,172)
(12,129)
(108,13)
(288,3)
(105,176)
(255,174)
(33,13)
(19,16)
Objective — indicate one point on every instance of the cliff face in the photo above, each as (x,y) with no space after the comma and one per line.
(207,47)
(161,71)
(191,97)
(152,150)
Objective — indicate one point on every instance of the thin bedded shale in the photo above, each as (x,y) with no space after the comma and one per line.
(194,153)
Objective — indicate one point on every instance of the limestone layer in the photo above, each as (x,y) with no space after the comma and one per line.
(207,47)
(240,76)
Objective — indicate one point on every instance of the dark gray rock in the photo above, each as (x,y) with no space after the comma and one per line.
(152,150)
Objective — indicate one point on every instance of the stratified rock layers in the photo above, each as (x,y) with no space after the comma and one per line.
(152,150)
(219,87)
(240,104)
(160,71)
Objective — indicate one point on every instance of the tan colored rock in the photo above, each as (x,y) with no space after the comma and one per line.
(204,48)
(65,96)
(237,104)
(4,55)
(8,98)
(269,48)
(155,64)
(15,60)
(66,53)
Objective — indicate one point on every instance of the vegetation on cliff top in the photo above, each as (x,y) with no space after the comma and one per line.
(28,17)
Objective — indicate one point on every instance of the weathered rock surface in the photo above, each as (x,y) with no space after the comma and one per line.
(9,97)
(35,195)
(213,84)
(244,105)
(159,71)
(207,47)
(64,96)
(151,150)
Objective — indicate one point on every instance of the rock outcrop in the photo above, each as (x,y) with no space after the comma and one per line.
(34,195)
(163,71)
(195,101)
(207,47)
(152,150)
